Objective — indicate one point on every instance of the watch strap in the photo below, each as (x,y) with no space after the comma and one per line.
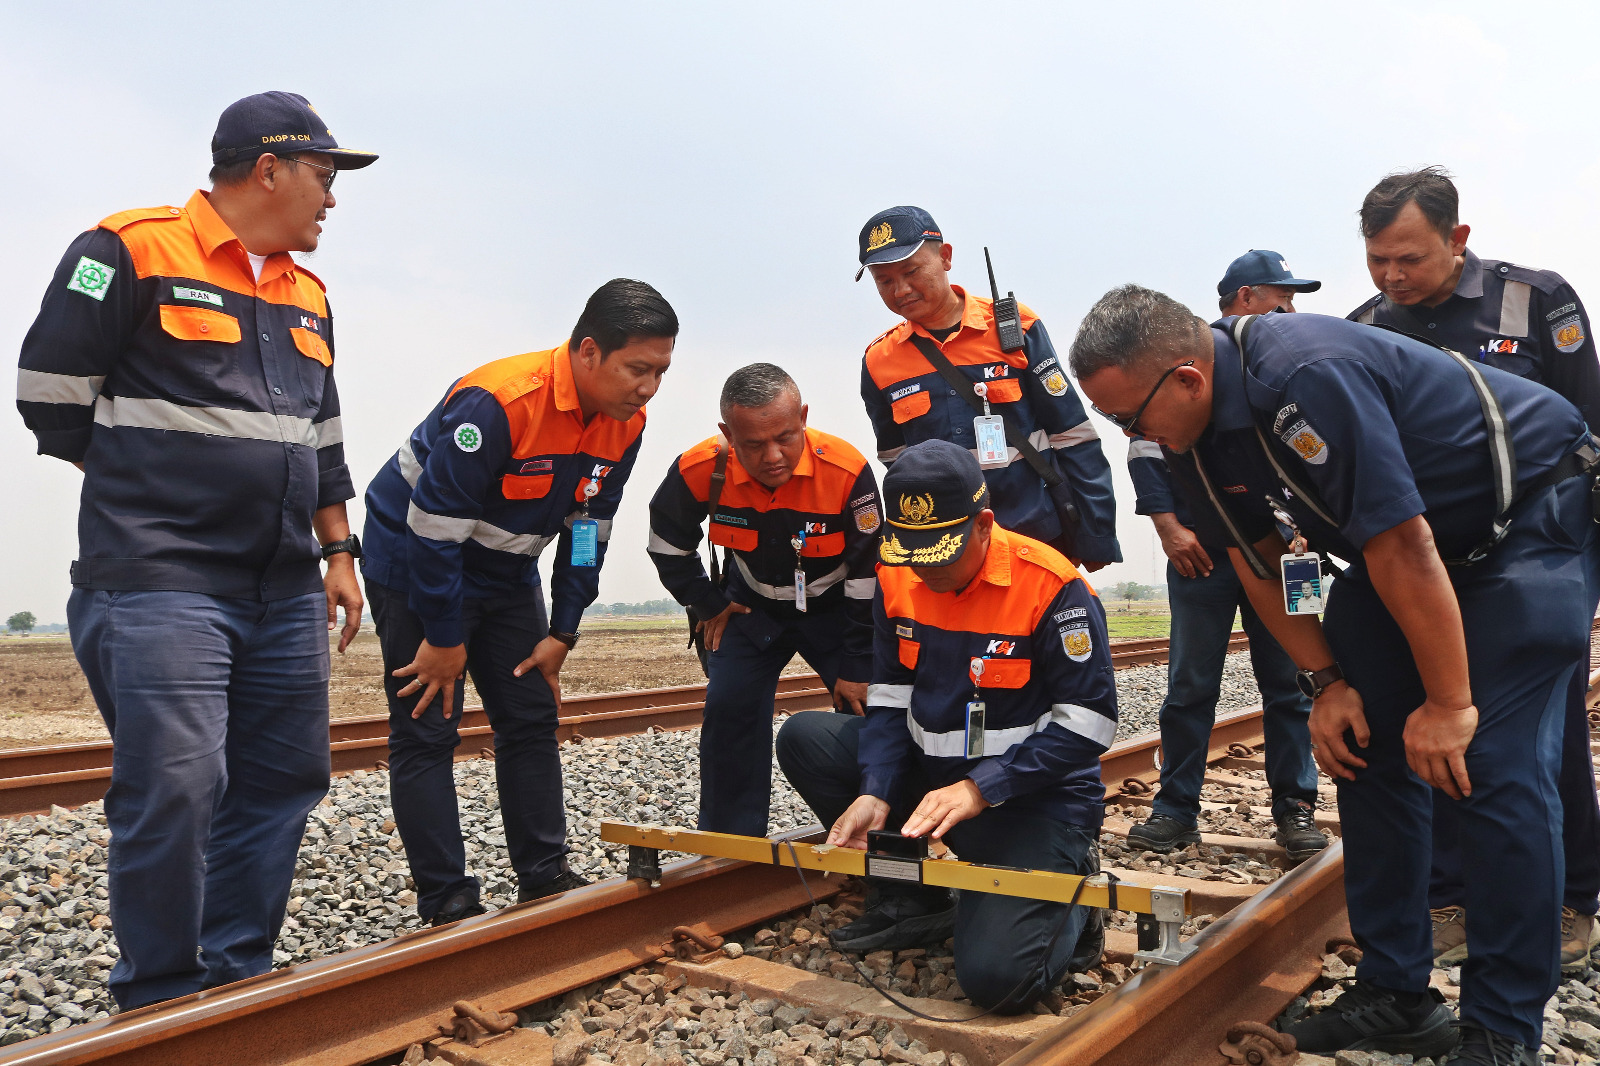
(569,639)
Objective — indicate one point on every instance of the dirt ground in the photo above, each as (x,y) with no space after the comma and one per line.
(44,698)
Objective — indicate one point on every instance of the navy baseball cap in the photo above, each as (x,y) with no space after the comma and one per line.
(932,493)
(280,123)
(892,235)
(1261,267)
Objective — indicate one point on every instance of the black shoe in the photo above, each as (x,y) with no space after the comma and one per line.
(459,906)
(899,920)
(1481,1047)
(565,881)
(1162,833)
(1369,1018)
(1298,833)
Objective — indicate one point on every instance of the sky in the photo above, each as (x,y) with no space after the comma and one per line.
(729,154)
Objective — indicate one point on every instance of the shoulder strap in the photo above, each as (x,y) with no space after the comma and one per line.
(963,388)
(1258,565)
(719,474)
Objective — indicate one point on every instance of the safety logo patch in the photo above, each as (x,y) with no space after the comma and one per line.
(1568,334)
(1306,442)
(1076,642)
(1055,383)
(468,437)
(212,298)
(92,278)
(867,520)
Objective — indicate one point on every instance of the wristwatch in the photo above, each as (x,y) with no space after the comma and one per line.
(1313,683)
(569,639)
(351,544)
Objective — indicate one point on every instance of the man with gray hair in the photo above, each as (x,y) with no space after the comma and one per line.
(1457,554)
(794,513)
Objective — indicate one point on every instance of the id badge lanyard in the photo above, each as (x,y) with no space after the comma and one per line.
(1300,570)
(586,532)
(798,542)
(975,713)
(990,431)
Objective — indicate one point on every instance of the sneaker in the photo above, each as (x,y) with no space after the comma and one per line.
(1579,934)
(899,920)
(1298,833)
(565,881)
(459,906)
(1449,936)
(1369,1018)
(1161,833)
(1481,1047)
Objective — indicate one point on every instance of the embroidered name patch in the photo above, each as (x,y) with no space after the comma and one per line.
(202,296)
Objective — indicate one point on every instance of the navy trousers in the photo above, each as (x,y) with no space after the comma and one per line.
(1202,621)
(501,632)
(1000,940)
(1526,610)
(218,713)
(736,734)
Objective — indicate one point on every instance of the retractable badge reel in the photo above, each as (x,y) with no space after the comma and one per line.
(991,433)
(798,542)
(1302,570)
(975,714)
(586,532)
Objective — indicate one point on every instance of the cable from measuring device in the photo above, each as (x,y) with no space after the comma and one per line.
(1034,974)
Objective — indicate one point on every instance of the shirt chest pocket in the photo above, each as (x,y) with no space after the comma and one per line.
(1005,673)
(312,346)
(913,406)
(526,486)
(821,546)
(199,324)
(740,540)
(1006,390)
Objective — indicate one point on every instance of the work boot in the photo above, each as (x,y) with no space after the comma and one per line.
(1366,1017)
(1578,935)
(1298,833)
(899,920)
(1162,833)
(1480,1047)
(459,906)
(565,881)
(1449,936)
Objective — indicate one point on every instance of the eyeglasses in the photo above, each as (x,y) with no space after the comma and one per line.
(327,182)
(1127,424)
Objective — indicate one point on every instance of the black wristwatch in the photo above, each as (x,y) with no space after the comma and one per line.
(569,639)
(1313,684)
(351,544)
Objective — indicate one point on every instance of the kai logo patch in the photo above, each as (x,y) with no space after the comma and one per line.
(867,520)
(916,510)
(202,296)
(1499,346)
(468,437)
(600,471)
(92,278)
(992,372)
(1568,334)
(1306,442)
(816,529)
(1001,647)
(1076,642)
(882,236)
(306,321)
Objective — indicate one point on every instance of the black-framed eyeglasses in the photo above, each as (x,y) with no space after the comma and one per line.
(327,182)
(1127,424)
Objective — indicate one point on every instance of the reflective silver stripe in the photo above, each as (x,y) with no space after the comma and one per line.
(439,527)
(660,546)
(36,386)
(889,455)
(1368,315)
(604,523)
(142,413)
(1514,309)
(888,695)
(814,586)
(329,431)
(410,469)
(1082,433)
(860,588)
(503,540)
(953,745)
(1143,449)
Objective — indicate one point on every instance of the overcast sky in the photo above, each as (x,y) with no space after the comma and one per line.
(729,153)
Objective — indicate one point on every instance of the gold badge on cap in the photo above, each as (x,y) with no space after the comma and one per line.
(881,235)
(916,510)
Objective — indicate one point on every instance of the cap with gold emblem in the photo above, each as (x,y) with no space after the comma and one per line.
(892,235)
(931,494)
(283,124)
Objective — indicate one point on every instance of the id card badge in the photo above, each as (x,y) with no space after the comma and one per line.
(585,542)
(1302,583)
(975,711)
(991,433)
(799,590)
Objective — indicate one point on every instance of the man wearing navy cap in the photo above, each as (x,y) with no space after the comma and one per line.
(1460,496)
(1204,599)
(1050,479)
(967,614)
(183,361)
(1526,322)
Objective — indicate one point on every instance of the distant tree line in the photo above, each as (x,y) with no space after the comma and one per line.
(21,622)
(649,607)
(1132,590)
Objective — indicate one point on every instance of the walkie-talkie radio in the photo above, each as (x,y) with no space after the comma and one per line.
(1007,319)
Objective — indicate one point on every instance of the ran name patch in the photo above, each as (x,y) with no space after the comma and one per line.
(468,437)
(212,298)
(92,278)
(1568,334)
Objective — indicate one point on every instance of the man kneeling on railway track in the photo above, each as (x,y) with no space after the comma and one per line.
(992,700)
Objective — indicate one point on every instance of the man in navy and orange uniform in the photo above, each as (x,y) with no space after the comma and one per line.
(520,453)
(968,613)
(184,362)
(1526,322)
(792,501)
(909,402)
